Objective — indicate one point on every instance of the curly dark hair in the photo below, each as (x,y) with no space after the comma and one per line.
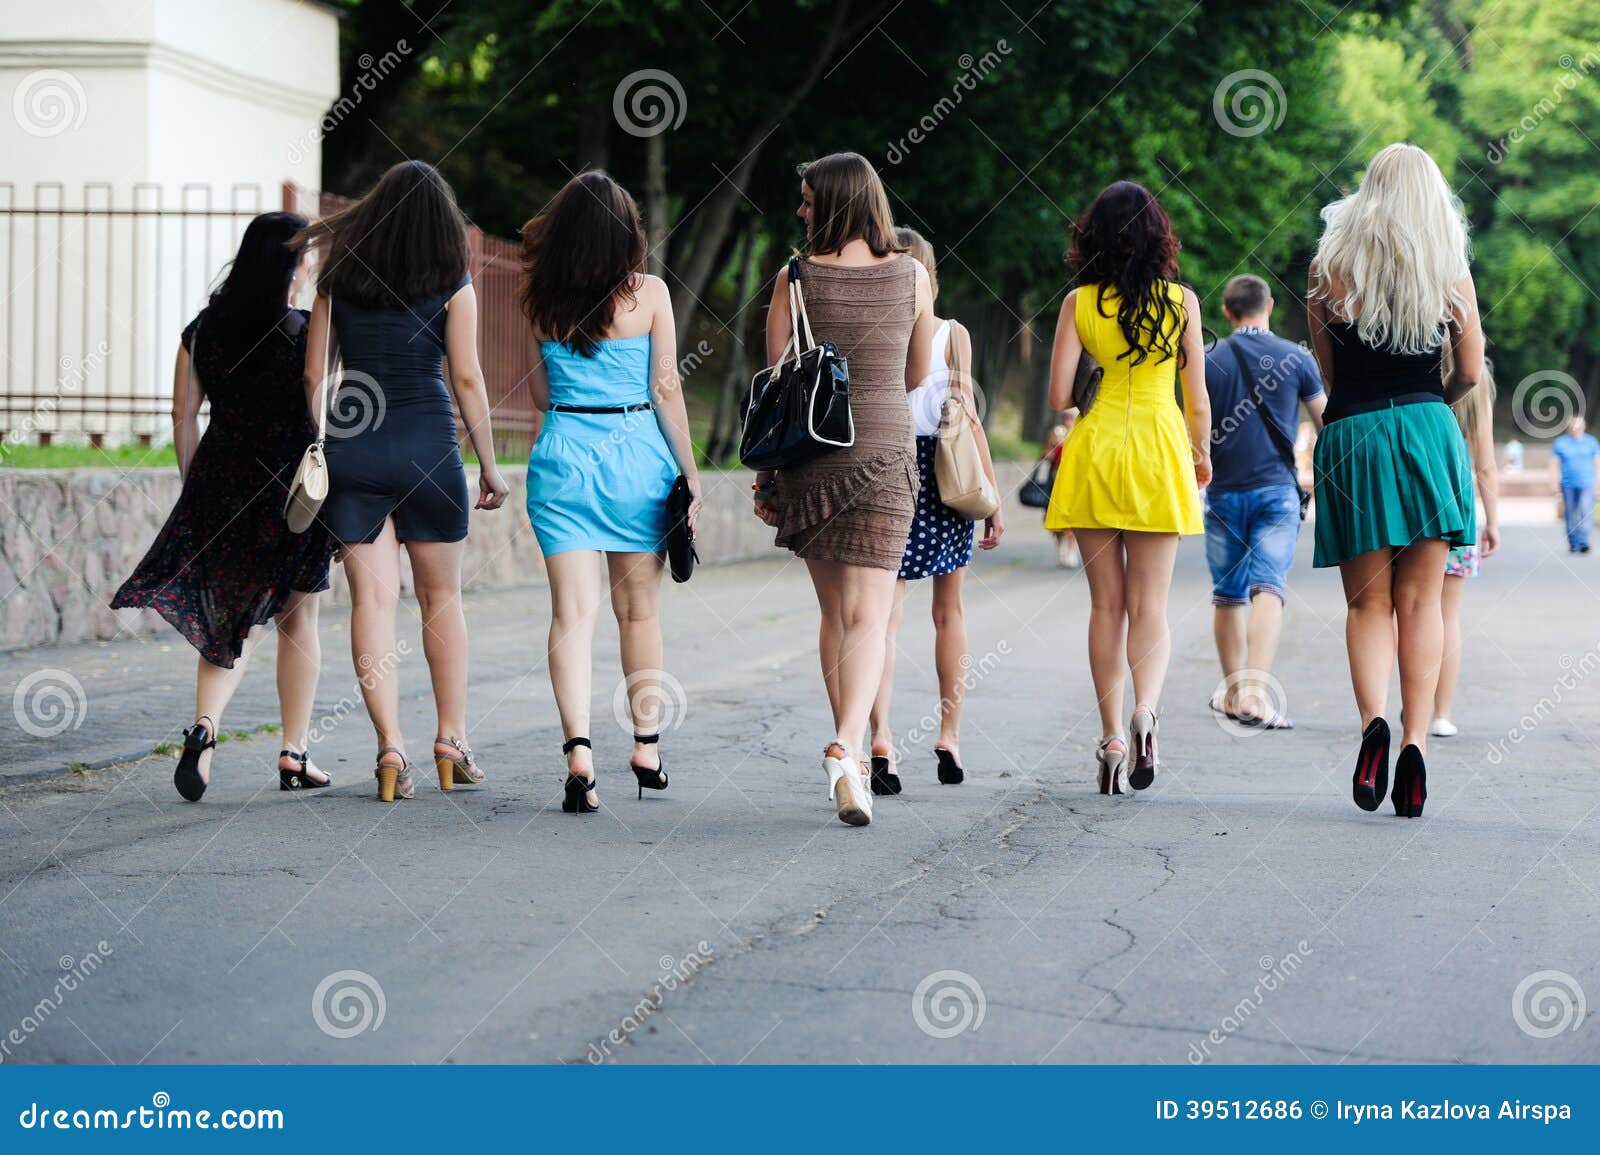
(1124,244)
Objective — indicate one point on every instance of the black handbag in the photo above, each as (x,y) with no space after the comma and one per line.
(1274,434)
(681,554)
(799,408)
(1035,492)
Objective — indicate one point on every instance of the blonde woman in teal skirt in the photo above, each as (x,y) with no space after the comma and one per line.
(1390,292)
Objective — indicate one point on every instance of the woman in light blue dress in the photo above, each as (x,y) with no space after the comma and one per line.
(614,440)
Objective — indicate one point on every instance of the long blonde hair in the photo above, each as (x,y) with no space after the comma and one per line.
(1476,410)
(1398,248)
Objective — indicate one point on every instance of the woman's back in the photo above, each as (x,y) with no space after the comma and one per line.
(617,374)
(1364,375)
(927,399)
(1151,379)
(402,348)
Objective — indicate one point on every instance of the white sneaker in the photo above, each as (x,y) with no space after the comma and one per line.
(1443,728)
(847,786)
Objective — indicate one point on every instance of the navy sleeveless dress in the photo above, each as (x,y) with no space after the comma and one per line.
(392,448)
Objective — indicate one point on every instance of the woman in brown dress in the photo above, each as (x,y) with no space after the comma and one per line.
(847,514)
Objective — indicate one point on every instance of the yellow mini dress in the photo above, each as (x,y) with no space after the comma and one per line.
(1127,463)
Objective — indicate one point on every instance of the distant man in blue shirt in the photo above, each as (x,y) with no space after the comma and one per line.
(1257,382)
(1574,452)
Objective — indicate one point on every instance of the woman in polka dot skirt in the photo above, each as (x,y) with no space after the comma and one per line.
(940,547)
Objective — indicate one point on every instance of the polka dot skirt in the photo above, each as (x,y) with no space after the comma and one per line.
(941,539)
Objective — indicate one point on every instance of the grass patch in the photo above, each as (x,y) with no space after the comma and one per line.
(165,749)
(122,457)
(79,768)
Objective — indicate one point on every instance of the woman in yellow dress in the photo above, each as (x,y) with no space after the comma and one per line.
(1130,469)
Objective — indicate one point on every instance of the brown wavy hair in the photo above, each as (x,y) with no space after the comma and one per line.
(847,203)
(1124,243)
(581,257)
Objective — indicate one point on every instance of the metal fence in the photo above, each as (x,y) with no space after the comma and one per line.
(96,293)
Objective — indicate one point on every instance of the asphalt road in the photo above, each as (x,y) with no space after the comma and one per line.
(1241,911)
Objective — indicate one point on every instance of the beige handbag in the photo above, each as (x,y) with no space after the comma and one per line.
(964,484)
(309,489)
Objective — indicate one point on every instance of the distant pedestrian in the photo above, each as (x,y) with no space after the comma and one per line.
(1475,414)
(1257,382)
(1572,458)
(615,439)
(225,562)
(1389,288)
(1130,468)
(939,546)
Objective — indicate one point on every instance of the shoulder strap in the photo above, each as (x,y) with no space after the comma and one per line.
(960,371)
(1285,449)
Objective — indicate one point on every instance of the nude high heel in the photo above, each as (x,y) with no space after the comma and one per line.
(846,788)
(457,769)
(1143,729)
(1113,765)
(394,782)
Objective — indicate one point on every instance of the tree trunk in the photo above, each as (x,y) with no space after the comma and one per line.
(594,134)
(655,205)
(724,422)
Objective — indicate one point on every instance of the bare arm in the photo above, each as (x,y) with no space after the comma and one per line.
(1065,354)
(993,525)
(1196,401)
(1488,473)
(466,379)
(186,398)
(1315,408)
(1466,345)
(666,387)
(919,354)
(1317,322)
(318,334)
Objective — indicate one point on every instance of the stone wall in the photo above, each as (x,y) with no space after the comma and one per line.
(69,537)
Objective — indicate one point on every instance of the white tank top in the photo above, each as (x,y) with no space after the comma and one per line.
(927,399)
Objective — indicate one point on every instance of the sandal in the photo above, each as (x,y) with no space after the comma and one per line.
(394,782)
(299,779)
(197,739)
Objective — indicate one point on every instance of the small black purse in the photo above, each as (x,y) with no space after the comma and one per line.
(799,408)
(1035,492)
(681,554)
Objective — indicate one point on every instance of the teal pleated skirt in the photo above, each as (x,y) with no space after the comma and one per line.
(1392,477)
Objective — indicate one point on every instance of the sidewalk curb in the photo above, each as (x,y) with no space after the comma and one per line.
(21,776)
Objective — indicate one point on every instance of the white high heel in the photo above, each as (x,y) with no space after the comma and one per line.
(846,788)
(1113,774)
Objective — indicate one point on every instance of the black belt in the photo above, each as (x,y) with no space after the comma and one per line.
(600,408)
(1356,407)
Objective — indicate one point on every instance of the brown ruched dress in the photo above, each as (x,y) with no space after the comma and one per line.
(855,505)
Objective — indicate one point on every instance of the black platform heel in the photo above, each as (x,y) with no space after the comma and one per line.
(649,778)
(576,790)
(298,779)
(884,779)
(950,771)
(1371,779)
(197,739)
(1410,783)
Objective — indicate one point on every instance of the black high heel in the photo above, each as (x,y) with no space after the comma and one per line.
(884,779)
(576,790)
(950,771)
(197,739)
(1371,778)
(649,779)
(1410,783)
(298,779)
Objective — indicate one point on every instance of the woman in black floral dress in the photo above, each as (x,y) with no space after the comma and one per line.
(225,563)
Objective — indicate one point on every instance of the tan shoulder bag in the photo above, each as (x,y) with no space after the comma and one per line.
(964,484)
(309,489)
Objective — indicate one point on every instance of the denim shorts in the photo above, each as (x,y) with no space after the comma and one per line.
(1250,540)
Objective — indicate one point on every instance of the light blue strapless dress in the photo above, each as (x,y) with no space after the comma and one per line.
(600,480)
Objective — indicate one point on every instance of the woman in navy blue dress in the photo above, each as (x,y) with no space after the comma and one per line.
(614,440)
(395,299)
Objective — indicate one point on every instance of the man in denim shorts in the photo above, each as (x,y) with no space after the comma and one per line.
(1257,382)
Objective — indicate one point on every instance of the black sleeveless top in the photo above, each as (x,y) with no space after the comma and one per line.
(1364,376)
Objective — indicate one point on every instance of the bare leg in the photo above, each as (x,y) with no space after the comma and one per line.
(574,607)
(830,631)
(214,688)
(950,657)
(1108,619)
(1230,627)
(436,576)
(864,597)
(1149,578)
(882,732)
(1369,634)
(1450,665)
(373,571)
(1418,579)
(1266,627)
(635,599)
(299,666)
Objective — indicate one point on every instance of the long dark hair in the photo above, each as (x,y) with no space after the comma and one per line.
(403,242)
(252,299)
(1124,244)
(848,202)
(581,257)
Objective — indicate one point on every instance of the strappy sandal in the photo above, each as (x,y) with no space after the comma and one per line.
(649,779)
(576,791)
(299,779)
(456,769)
(197,739)
(394,782)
